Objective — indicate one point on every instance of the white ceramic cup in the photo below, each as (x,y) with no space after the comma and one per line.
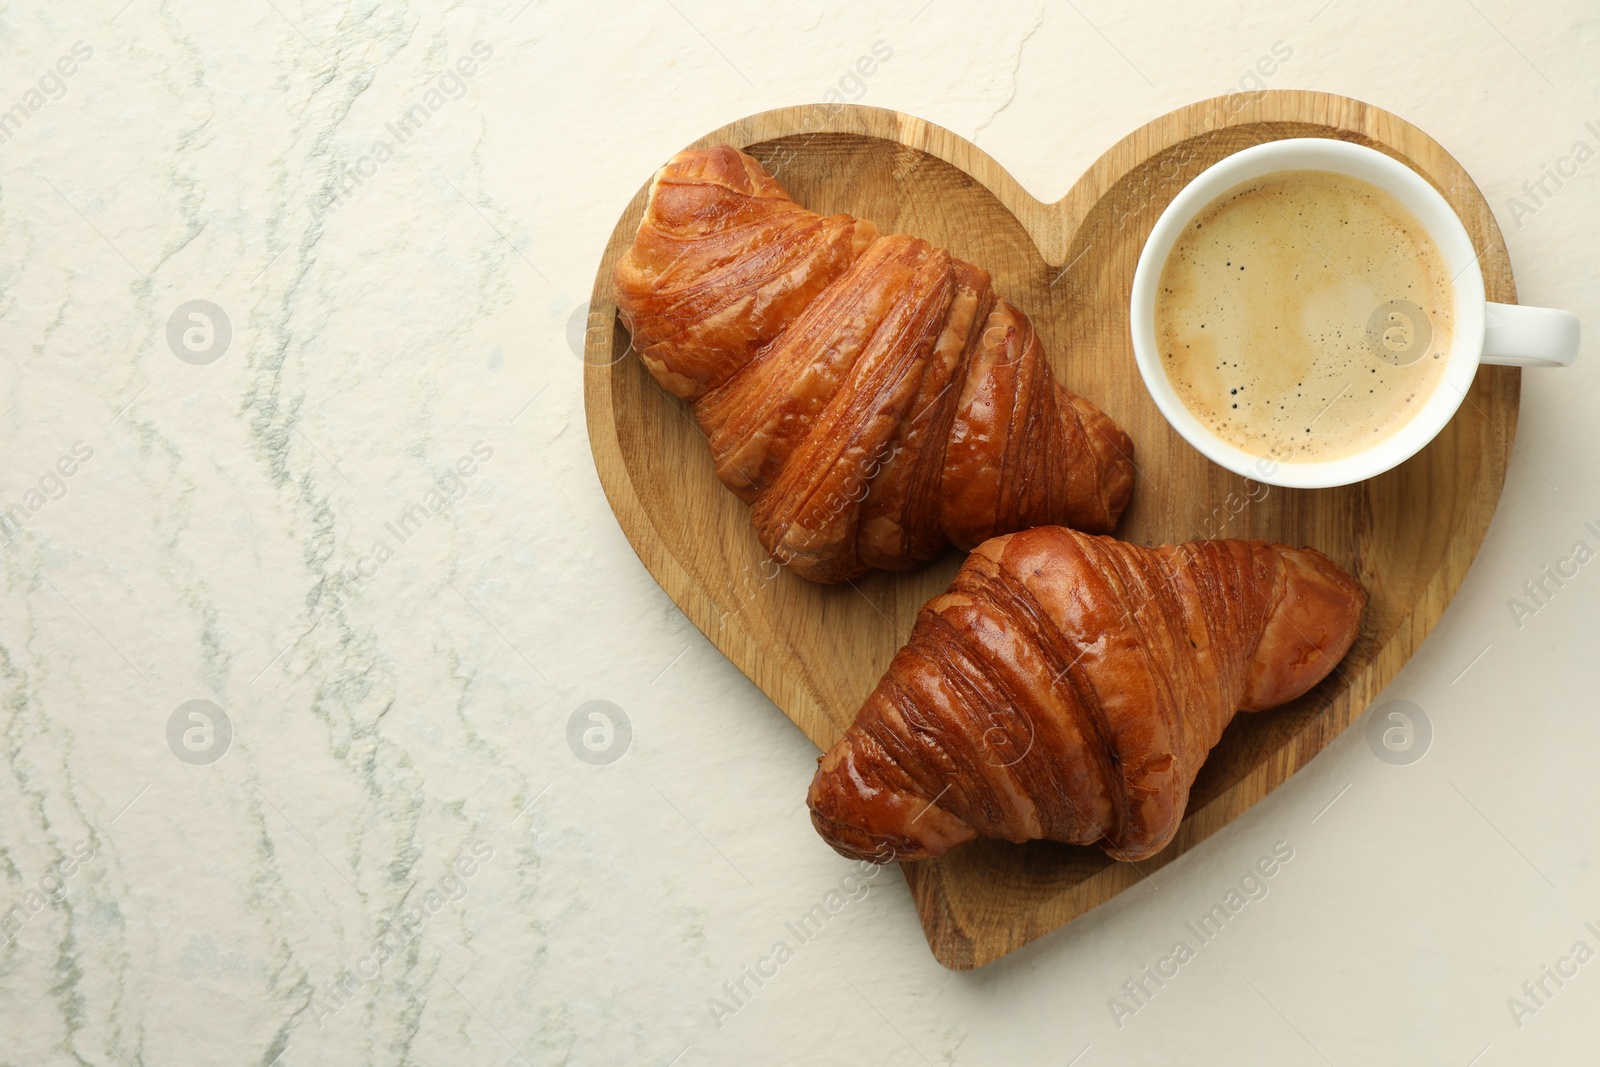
(1481,332)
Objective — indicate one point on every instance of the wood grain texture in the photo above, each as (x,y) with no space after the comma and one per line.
(1409,535)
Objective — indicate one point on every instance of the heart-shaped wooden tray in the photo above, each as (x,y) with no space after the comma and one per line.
(818,650)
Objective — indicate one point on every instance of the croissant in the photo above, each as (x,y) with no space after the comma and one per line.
(1069,687)
(868,396)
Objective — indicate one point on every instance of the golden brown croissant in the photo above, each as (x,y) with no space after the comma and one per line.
(868,396)
(1069,687)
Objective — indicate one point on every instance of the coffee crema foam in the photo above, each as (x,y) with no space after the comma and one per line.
(1304,315)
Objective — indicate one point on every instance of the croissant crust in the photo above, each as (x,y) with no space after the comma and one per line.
(1069,687)
(870,397)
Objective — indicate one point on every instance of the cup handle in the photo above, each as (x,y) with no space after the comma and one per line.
(1518,336)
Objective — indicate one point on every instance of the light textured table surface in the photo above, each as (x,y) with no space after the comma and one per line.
(398,857)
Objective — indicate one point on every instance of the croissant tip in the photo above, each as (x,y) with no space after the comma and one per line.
(854,844)
(864,815)
(1314,624)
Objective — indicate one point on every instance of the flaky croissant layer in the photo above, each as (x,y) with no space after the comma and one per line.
(869,396)
(1069,687)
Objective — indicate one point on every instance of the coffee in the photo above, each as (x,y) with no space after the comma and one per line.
(1304,315)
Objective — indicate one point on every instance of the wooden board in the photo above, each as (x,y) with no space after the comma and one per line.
(817,651)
